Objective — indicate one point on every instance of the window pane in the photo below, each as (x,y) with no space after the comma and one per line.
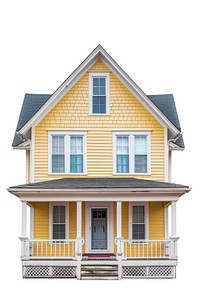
(58,145)
(58,163)
(76,145)
(58,231)
(99,104)
(138,231)
(122,163)
(122,145)
(140,163)
(102,81)
(76,163)
(141,144)
(96,81)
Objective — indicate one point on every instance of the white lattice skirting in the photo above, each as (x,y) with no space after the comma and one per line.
(149,272)
(49,271)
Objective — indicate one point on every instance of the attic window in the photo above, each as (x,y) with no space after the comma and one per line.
(99,93)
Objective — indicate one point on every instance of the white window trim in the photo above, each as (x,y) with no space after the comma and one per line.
(131,135)
(146,212)
(51,205)
(67,135)
(107,76)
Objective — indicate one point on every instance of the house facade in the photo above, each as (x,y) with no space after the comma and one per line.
(99,191)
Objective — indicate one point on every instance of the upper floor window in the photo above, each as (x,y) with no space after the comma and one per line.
(99,93)
(132,153)
(67,153)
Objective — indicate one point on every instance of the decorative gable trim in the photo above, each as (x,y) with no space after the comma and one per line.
(98,53)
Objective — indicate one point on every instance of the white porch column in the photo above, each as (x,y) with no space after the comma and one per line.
(24,220)
(78,237)
(78,219)
(166,212)
(119,219)
(173,237)
(120,250)
(173,220)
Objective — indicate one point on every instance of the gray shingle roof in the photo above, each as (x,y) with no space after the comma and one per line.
(100,183)
(33,102)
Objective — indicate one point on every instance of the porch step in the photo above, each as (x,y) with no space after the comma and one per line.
(99,272)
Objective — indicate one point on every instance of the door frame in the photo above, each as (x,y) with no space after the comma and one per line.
(107,237)
(88,226)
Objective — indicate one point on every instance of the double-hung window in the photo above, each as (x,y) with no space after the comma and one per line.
(76,154)
(99,93)
(58,154)
(138,226)
(132,153)
(59,223)
(67,152)
(122,154)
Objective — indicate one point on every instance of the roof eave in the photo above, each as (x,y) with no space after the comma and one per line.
(24,191)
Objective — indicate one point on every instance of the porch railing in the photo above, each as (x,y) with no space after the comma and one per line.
(68,248)
(147,248)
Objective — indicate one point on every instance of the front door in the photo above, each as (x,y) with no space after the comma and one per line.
(99,228)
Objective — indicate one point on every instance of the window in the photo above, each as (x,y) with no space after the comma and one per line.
(122,154)
(138,221)
(58,154)
(132,153)
(67,153)
(58,220)
(76,154)
(59,225)
(138,225)
(99,93)
(140,154)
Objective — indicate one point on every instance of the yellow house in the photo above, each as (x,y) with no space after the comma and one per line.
(98,154)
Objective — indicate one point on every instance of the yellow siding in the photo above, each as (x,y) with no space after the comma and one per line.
(41,220)
(72,113)
(125,220)
(156,220)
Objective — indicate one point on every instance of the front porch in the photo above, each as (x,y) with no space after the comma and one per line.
(64,258)
(110,227)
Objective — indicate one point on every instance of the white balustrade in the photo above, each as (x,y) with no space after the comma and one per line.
(51,248)
(147,248)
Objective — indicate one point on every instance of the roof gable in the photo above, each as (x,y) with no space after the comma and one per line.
(97,53)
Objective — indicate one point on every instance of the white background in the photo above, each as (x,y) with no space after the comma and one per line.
(157,44)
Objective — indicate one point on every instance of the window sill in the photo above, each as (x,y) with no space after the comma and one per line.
(91,114)
(64,174)
(130,174)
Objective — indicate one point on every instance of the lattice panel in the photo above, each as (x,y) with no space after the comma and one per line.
(63,272)
(39,271)
(149,272)
(48,271)
(134,272)
(162,271)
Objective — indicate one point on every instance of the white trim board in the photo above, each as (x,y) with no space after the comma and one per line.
(97,53)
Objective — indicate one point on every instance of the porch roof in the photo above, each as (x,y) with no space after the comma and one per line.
(108,183)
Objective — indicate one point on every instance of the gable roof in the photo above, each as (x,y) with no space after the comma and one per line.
(33,103)
(99,53)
